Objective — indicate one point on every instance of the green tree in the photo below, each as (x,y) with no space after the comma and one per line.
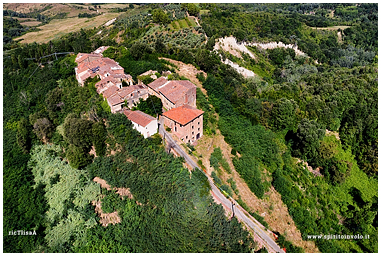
(308,138)
(283,114)
(54,103)
(139,50)
(160,47)
(151,106)
(99,136)
(159,16)
(78,131)
(23,135)
(193,10)
(77,157)
(43,128)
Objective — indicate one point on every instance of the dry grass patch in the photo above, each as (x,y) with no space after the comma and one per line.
(112,6)
(31,23)
(25,7)
(59,27)
(23,19)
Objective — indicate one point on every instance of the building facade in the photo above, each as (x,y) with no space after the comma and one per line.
(186,122)
(142,122)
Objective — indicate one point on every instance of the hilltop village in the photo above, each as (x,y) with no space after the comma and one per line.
(177,96)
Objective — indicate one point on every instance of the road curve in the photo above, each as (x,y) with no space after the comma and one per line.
(237,211)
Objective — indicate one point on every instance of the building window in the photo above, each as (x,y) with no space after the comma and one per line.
(192,133)
(198,123)
(186,137)
(175,129)
(132,94)
(192,126)
(199,128)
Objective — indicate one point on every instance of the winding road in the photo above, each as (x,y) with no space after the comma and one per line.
(238,211)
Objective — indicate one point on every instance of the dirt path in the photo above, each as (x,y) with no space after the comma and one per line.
(189,71)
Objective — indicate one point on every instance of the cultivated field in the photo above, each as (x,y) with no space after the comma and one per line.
(59,27)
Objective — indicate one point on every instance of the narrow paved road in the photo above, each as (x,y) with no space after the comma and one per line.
(237,211)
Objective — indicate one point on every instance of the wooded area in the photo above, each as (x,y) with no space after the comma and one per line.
(51,125)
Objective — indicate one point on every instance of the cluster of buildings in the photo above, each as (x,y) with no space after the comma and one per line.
(178,96)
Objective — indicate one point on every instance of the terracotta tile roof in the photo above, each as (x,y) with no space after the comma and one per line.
(157,83)
(174,90)
(139,117)
(86,75)
(108,80)
(101,49)
(115,99)
(183,114)
(186,83)
(110,91)
(125,91)
(83,56)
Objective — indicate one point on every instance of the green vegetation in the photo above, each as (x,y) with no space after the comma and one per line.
(151,106)
(217,159)
(51,124)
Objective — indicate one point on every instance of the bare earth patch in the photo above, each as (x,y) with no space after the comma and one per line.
(106,218)
(316,171)
(229,44)
(330,133)
(102,182)
(23,19)
(92,151)
(189,71)
(120,191)
(334,28)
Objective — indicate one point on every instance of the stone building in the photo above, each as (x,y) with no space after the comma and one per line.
(173,93)
(186,122)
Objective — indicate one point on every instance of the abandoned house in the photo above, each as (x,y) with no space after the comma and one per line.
(173,93)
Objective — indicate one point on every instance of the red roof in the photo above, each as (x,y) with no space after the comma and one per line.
(175,90)
(183,114)
(105,81)
(124,92)
(157,83)
(110,91)
(139,117)
(83,56)
(115,99)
